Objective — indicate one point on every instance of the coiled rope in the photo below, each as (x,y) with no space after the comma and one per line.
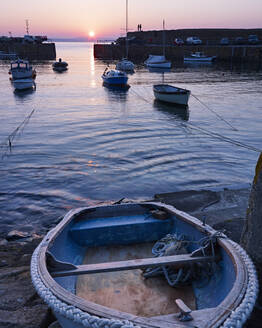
(174,244)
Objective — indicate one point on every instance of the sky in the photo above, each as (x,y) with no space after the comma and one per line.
(106,18)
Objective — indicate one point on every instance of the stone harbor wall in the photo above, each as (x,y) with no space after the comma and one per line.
(139,53)
(34,51)
(252,233)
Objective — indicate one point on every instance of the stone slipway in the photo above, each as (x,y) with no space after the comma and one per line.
(224,209)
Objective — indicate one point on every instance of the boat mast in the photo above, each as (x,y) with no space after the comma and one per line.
(164,41)
(126,28)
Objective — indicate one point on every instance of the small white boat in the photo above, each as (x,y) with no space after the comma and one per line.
(199,56)
(60,66)
(21,69)
(24,84)
(114,77)
(154,61)
(125,65)
(171,94)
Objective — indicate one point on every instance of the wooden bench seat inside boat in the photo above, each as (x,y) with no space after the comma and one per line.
(102,231)
(129,291)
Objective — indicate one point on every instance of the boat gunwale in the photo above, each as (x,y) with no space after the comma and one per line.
(218,313)
(178,92)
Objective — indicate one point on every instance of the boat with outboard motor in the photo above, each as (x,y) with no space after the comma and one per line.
(171,94)
(142,264)
(114,77)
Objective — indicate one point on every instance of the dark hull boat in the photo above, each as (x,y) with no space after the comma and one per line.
(142,265)
(60,66)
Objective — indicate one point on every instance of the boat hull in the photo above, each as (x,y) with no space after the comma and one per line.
(199,59)
(126,224)
(125,65)
(115,80)
(23,84)
(167,94)
(159,65)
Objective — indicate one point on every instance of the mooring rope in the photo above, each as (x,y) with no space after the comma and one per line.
(219,116)
(8,143)
(221,137)
(209,133)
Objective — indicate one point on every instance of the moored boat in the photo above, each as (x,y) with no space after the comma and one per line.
(60,66)
(199,57)
(155,61)
(171,94)
(114,77)
(125,65)
(21,69)
(95,270)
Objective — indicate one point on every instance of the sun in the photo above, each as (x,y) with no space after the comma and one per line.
(91,34)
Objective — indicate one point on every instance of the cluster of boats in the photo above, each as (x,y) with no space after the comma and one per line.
(23,75)
(162,92)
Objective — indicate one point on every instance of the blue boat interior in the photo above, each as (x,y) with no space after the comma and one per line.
(134,224)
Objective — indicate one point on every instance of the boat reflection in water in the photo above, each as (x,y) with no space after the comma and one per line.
(159,70)
(22,94)
(172,110)
(116,92)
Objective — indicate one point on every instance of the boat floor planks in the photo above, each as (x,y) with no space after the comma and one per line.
(129,291)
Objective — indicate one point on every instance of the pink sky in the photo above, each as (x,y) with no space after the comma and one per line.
(76,18)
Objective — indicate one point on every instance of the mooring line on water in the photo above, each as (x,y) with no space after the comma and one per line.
(209,133)
(8,143)
(219,116)
(137,94)
(223,138)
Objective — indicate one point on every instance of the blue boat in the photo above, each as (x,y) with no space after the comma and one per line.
(114,77)
(142,265)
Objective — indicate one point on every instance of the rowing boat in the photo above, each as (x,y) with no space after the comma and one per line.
(142,265)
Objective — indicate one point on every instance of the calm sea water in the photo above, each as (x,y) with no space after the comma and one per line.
(85,143)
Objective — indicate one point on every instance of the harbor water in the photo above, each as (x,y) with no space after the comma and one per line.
(84,143)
